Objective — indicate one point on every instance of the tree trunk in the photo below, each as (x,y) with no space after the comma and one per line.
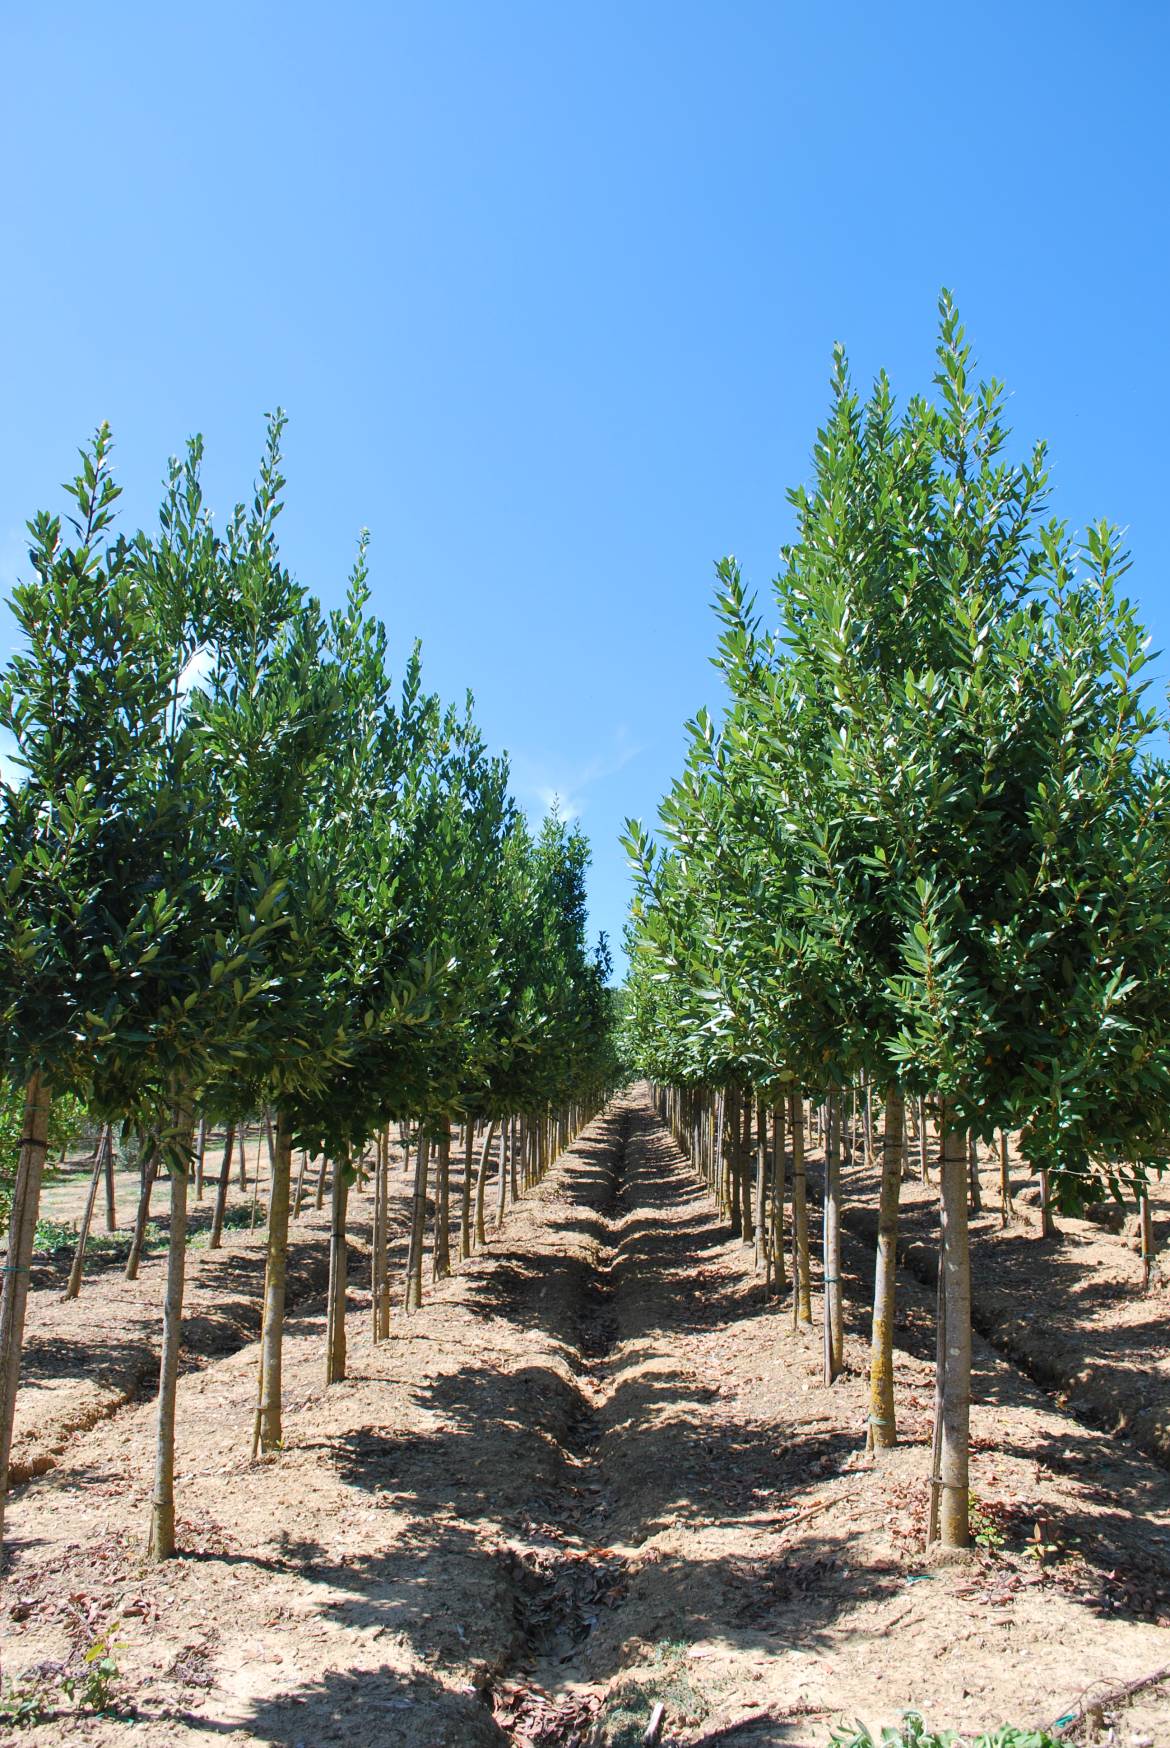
(745,1173)
(22,1229)
(441,1255)
(320,1194)
(300,1189)
(955,1383)
(1047,1223)
(1005,1181)
(111,1206)
(922,1146)
(731,1168)
(335,1351)
(200,1150)
(481,1183)
(465,1191)
(221,1189)
(161,1540)
(1146,1227)
(378,1261)
(763,1251)
(883,1430)
(413,1296)
(269,1432)
(801,1265)
(502,1185)
(776,1238)
(256,1186)
(834,1310)
(973,1173)
(380,1265)
(105,1141)
(150,1172)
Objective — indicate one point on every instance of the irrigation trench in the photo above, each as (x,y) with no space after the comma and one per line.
(603,1476)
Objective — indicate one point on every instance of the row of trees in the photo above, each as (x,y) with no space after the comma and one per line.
(926,848)
(245,871)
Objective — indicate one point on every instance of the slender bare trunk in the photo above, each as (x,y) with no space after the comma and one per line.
(1146,1227)
(955,1390)
(221,1189)
(502,1184)
(335,1345)
(763,1251)
(269,1432)
(256,1187)
(99,1165)
(465,1191)
(200,1150)
(1047,1223)
(378,1259)
(161,1539)
(382,1296)
(883,1430)
(745,1173)
(300,1189)
(441,1253)
(834,1309)
(776,1238)
(973,1173)
(481,1183)
(731,1135)
(141,1218)
(801,1265)
(111,1205)
(1005,1181)
(22,1229)
(320,1193)
(413,1296)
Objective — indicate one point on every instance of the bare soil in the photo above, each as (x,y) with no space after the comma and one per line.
(1073,1310)
(595,1471)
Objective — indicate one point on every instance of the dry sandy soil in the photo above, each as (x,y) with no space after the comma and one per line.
(594,1472)
(1071,1311)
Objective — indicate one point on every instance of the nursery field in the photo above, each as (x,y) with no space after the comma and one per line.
(814,1389)
(595,1473)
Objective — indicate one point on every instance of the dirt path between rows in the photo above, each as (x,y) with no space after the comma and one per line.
(595,1472)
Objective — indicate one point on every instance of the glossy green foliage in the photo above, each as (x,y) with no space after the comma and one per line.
(928,839)
(244,867)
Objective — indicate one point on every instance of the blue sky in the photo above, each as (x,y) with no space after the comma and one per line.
(549,292)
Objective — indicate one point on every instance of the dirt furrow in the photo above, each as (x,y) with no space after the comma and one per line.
(593,1474)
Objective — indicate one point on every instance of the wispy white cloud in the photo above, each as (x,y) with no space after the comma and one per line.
(567,786)
(196,673)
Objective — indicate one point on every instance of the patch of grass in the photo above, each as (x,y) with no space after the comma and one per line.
(628,1706)
(55,1235)
(237,1217)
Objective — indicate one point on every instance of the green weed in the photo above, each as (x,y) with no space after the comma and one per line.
(985,1532)
(913,1733)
